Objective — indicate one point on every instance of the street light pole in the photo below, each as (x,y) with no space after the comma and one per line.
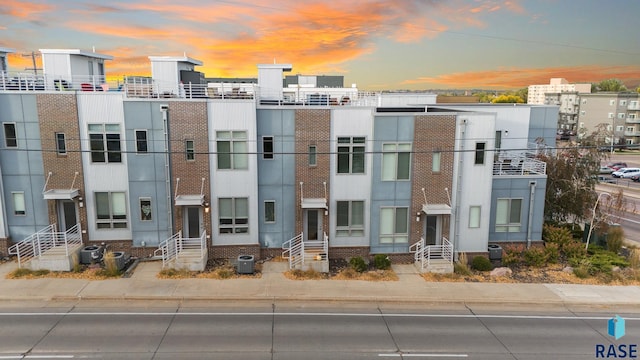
(593,216)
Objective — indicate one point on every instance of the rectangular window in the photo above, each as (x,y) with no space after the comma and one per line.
(145,209)
(189,149)
(313,155)
(612,102)
(620,115)
(631,116)
(480,147)
(141,141)
(269,211)
(267,147)
(435,162)
(619,127)
(351,155)
(582,112)
(394,226)
(474,216)
(10,135)
(350,218)
(623,103)
(232,150)
(111,210)
(61,144)
(508,215)
(396,161)
(18,203)
(584,101)
(610,116)
(233,215)
(105,136)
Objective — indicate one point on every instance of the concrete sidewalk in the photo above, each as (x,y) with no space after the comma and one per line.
(273,285)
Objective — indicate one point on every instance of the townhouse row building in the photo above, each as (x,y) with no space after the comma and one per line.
(248,169)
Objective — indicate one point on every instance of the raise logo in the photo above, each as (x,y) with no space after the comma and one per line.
(616,329)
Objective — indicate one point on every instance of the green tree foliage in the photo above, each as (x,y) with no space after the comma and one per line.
(638,89)
(523,94)
(609,85)
(484,97)
(508,98)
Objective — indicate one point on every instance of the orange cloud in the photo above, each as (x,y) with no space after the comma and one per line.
(23,9)
(522,77)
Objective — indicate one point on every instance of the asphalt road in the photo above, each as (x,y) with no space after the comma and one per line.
(297,331)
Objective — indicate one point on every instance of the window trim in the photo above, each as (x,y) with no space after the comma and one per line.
(111,149)
(138,141)
(350,229)
(508,226)
(234,225)
(396,152)
(15,135)
(313,154)
(112,221)
(351,145)
(481,148)
(395,236)
(61,150)
(233,156)
(15,196)
(190,150)
(475,224)
(273,203)
(268,155)
(142,212)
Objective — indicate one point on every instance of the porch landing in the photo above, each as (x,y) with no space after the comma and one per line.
(56,259)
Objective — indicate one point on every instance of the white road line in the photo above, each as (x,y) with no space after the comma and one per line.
(488,316)
(2,357)
(425,355)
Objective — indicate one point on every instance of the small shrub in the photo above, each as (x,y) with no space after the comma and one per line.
(581,271)
(225,273)
(557,235)
(634,259)
(534,256)
(603,261)
(574,251)
(512,254)
(110,265)
(462,265)
(358,264)
(552,252)
(615,239)
(382,262)
(481,263)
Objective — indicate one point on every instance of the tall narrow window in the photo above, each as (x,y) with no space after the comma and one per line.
(190,150)
(350,218)
(18,203)
(141,141)
(508,215)
(232,150)
(474,216)
(480,147)
(396,162)
(313,154)
(269,211)
(351,155)
(10,135)
(267,147)
(435,161)
(61,144)
(145,209)
(394,226)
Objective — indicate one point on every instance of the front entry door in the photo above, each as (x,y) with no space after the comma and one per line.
(313,224)
(67,215)
(192,222)
(432,230)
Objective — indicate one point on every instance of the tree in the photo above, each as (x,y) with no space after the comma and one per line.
(638,89)
(610,85)
(484,97)
(508,98)
(523,93)
(572,174)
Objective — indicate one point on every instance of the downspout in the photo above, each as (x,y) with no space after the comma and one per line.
(164,109)
(456,227)
(532,191)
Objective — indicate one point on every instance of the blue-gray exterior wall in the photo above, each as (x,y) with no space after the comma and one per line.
(276,179)
(518,187)
(147,176)
(22,168)
(388,129)
(543,123)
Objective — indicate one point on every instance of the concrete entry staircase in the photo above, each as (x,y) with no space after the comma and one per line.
(307,255)
(433,258)
(184,253)
(49,249)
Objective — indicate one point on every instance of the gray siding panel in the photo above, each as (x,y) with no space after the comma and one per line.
(518,187)
(276,179)
(147,178)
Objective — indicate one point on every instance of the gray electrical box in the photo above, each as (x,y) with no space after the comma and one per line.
(245,264)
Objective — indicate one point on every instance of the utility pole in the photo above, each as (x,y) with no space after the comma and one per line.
(33,56)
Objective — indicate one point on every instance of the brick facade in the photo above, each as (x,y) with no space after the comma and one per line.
(188,121)
(58,113)
(432,133)
(313,127)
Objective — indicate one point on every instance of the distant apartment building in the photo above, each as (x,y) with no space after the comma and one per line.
(617,113)
(158,164)
(536,93)
(568,109)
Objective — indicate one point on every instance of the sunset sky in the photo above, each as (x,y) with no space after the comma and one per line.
(378,45)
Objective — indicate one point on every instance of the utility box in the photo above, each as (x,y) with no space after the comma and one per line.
(495,252)
(90,254)
(121,259)
(246,264)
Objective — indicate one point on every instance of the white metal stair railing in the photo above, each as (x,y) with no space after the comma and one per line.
(48,238)
(168,249)
(294,251)
(186,245)
(426,253)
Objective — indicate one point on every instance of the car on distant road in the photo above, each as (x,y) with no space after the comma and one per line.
(608,180)
(605,170)
(617,165)
(626,172)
